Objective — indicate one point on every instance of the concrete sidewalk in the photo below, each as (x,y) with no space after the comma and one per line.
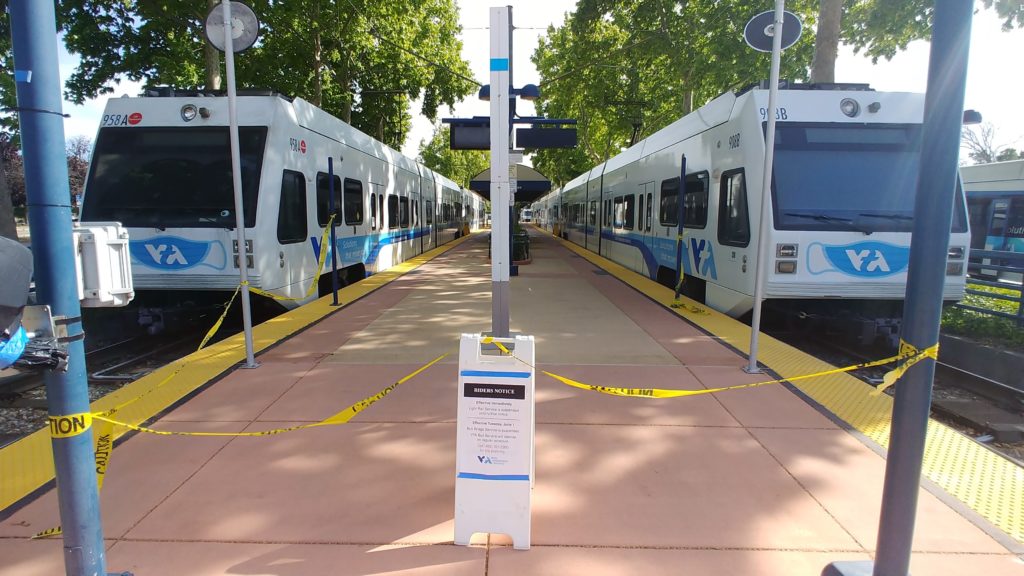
(746,482)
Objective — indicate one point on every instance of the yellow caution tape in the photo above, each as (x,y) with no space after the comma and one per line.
(911,355)
(69,425)
(316,277)
(105,430)
(104,444)
(340,418)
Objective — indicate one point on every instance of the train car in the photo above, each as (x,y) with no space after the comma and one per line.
(162,167)
(841,205)
(995,204)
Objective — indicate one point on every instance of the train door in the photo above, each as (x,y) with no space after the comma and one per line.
(592,232)
(645,197)
(292,231)
(731,259)
(374,247)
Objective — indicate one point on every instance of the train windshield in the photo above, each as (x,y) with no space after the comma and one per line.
(859,177)
(172,177)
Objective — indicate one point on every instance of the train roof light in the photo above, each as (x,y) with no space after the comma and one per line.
(189,112)
(850,107)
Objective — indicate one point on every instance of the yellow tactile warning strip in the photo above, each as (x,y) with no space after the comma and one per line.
(987,483)
(27,464)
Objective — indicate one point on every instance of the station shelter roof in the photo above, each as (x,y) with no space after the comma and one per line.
(530,184)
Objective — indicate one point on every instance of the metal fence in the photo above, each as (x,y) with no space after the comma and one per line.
(996,269)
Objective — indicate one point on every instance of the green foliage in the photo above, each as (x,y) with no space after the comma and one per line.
(361,60)
(459,165)
(992,330)
(626,69)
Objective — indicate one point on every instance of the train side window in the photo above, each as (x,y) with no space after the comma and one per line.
(291,215)
(733,218)
(392,212)
(323,212)
(608,213)
(353,201)
(403,212)
(695,200)
(628,211)
(669,214)
(415,213)
(373,211)
(640,214)
(428,211)
(650,209)
(380,211)
(593,212)
(618,212)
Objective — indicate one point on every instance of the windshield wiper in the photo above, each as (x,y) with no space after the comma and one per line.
(820,217)
(826,218)
(888,216)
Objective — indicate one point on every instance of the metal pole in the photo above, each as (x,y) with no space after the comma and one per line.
(680,217)
(933,213)
(501,40)
(34,33)
(236,180)
(334,236)
(760,264)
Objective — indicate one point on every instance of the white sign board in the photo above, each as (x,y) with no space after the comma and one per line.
(494,444)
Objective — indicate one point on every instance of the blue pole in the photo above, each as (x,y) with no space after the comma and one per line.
(680,215)
(334,236)
(933,213)
(34,32)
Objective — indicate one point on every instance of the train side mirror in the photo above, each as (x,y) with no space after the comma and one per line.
(16,270)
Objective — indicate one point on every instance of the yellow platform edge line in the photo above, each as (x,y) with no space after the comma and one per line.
(987,483)
(27,464)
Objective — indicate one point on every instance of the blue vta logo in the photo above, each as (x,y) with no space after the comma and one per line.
(703,258)
(862,259)
(484,459)
(174,253)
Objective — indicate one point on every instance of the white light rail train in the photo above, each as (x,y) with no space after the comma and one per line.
(162,167)
(841,205)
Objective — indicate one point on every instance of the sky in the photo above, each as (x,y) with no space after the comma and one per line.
(994,88)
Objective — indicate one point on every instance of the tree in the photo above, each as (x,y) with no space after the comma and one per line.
(79,151)
(627,69)
(361,60)
(881,28)
(981,145)
(459,165)
(8,121)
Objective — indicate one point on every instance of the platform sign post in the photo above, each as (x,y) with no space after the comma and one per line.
(501,197)
(767,32)
(235,32)
(494,455)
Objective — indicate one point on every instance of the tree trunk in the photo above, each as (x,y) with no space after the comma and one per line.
(318,69)
(213,77)
(826,43)
(346,89)
(7,227)
(318,62)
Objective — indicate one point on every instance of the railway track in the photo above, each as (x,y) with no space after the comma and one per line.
(990,412)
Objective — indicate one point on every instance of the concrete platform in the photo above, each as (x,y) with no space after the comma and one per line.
(747,482)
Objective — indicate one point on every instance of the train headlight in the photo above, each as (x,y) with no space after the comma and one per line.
(785,267)
(954,268)
(786,250)
(956,253)
(189,112)
(850,107)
